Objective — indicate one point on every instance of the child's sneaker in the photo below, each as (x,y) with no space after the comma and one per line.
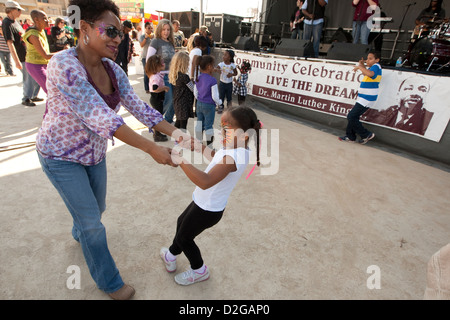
(369,137)
(190,277)
(171,266)
(346,139)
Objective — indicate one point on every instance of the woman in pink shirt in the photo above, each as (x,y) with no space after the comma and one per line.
(85,92)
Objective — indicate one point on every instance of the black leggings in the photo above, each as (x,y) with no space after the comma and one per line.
(190,224)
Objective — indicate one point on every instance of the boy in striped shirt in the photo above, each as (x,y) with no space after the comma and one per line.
(367,95)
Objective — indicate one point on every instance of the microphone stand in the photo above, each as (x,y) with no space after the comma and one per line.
(399,29)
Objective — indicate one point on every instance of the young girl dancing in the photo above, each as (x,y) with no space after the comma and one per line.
(153,67)
(183,96)
(207,96)
(214,187)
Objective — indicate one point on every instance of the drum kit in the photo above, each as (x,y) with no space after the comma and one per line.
(430,46)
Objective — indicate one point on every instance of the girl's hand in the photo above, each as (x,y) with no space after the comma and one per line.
(166,89)
(177,157)
(189,143)
(230,75)
(162,155)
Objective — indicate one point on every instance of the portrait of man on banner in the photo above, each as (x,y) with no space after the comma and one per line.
(410,113)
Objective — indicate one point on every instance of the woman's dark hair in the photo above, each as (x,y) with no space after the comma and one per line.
(203,62)
(246,120)
(200,42)
(92,10)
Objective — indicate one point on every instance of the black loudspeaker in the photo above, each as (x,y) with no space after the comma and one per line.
(245,44)
(294,48)
(348,51)
(324,48)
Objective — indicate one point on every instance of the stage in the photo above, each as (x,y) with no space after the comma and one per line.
(323,91)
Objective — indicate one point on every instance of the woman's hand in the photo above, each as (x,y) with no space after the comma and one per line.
(162,155)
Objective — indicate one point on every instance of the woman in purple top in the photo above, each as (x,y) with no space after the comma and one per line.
(85,92)
(207,94)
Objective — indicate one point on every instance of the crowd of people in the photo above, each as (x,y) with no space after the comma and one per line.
(30,45)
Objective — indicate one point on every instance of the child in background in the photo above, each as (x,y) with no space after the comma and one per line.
(227,70)
(183,97)
(200,44)
(367,96)
(207,95)
(153,67)
(214,187)
(240,84)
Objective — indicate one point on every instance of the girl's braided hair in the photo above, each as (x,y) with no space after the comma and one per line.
(248,121)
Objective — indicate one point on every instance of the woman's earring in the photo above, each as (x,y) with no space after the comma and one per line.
(86,39)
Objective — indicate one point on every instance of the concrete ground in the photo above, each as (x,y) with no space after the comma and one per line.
(336,221)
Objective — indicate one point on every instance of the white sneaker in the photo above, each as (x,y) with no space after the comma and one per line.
(190,277)
(171,266)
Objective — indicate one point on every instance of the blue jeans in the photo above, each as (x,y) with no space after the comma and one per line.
(83,190)
(360,32)
(297,34)
(5,57)
(314,31)
(354,126)
(169,112)
(205,120)
(30,86)
(146,79)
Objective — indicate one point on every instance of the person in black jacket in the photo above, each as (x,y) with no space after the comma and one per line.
(125,47)
(59,38)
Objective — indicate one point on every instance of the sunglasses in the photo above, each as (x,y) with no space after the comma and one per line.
(111,31)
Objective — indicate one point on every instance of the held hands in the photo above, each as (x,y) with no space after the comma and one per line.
(162,155)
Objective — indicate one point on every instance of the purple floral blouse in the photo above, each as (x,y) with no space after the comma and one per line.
(78,122)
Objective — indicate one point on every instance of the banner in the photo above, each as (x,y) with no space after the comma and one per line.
(407,101)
